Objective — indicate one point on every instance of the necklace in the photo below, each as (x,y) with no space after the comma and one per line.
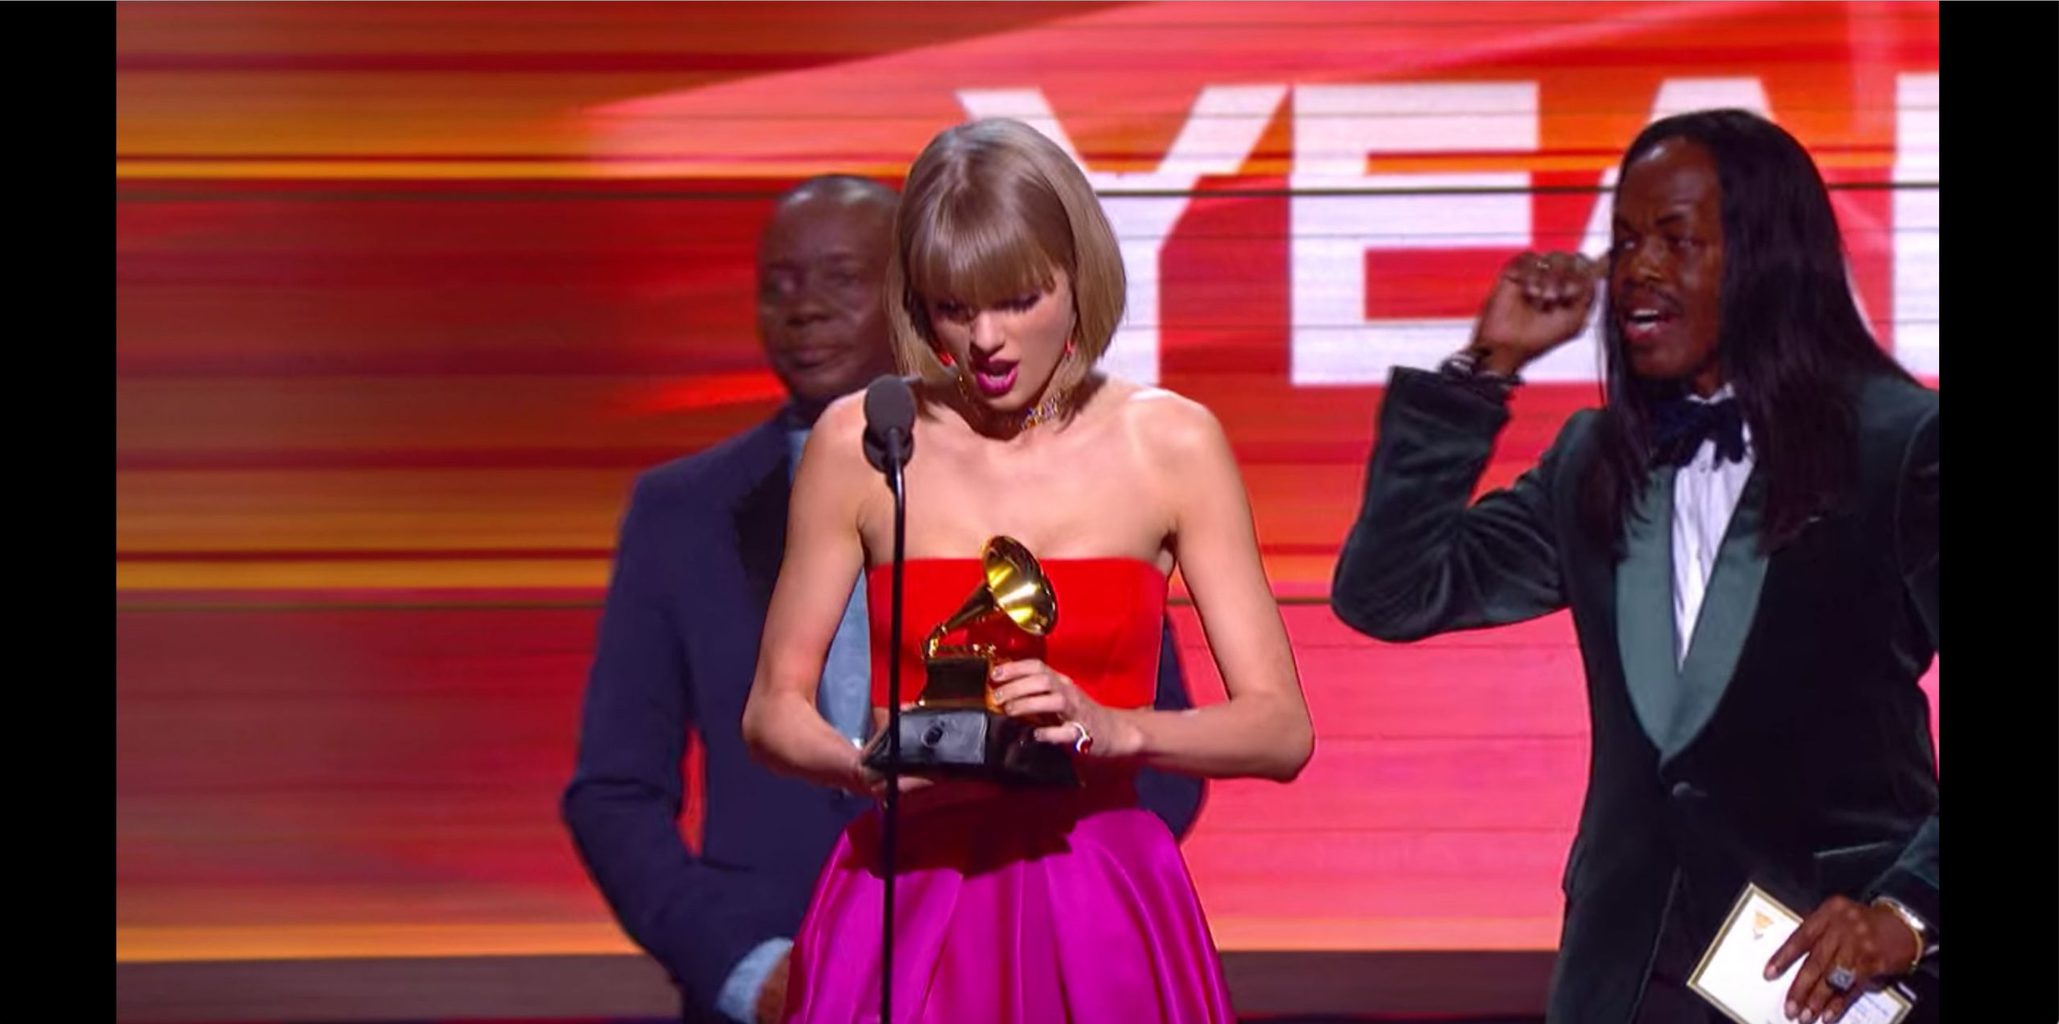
(1046,410)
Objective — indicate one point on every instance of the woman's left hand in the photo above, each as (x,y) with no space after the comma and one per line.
(1032,690)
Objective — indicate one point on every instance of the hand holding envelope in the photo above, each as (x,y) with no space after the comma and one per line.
(1737,972)
(1843,946)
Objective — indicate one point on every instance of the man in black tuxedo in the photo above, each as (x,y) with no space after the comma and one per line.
(1747,535)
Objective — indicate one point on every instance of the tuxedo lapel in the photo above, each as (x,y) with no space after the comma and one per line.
(1644,608)
(759,516)
(1725,621)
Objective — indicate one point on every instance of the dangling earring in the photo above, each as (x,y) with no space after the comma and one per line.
(949,361)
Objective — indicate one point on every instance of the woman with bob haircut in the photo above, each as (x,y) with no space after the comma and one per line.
(1029,904)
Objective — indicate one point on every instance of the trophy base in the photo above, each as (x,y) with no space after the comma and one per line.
(970,743)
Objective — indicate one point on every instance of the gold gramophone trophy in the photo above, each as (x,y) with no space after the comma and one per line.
(954,729)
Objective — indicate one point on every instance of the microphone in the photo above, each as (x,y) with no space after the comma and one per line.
(889,423)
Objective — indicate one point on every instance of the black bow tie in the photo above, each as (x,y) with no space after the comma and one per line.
(1680,426)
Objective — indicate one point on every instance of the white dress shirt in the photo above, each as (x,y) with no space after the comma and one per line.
(1705,493)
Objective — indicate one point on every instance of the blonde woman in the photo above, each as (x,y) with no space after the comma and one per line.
(1003,290)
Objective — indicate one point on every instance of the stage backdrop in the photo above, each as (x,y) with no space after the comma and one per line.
(407,294)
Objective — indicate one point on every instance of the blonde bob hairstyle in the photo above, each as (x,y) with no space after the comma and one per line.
(989,211)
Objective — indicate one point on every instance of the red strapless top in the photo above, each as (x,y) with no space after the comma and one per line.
(1106,641)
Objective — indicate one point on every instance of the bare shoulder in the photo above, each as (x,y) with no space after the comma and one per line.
(1170,428)
(834,460)
(1180,448)
(839,433)
(843,417)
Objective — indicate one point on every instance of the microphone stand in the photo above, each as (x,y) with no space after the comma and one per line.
(889,441)
(890,816)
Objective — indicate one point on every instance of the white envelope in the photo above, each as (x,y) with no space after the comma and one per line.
(1732,973)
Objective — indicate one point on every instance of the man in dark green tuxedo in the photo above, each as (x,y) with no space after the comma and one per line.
(1746,532)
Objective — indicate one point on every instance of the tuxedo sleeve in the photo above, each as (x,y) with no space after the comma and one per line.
(697,918)
(1913,878)
(1422,557)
